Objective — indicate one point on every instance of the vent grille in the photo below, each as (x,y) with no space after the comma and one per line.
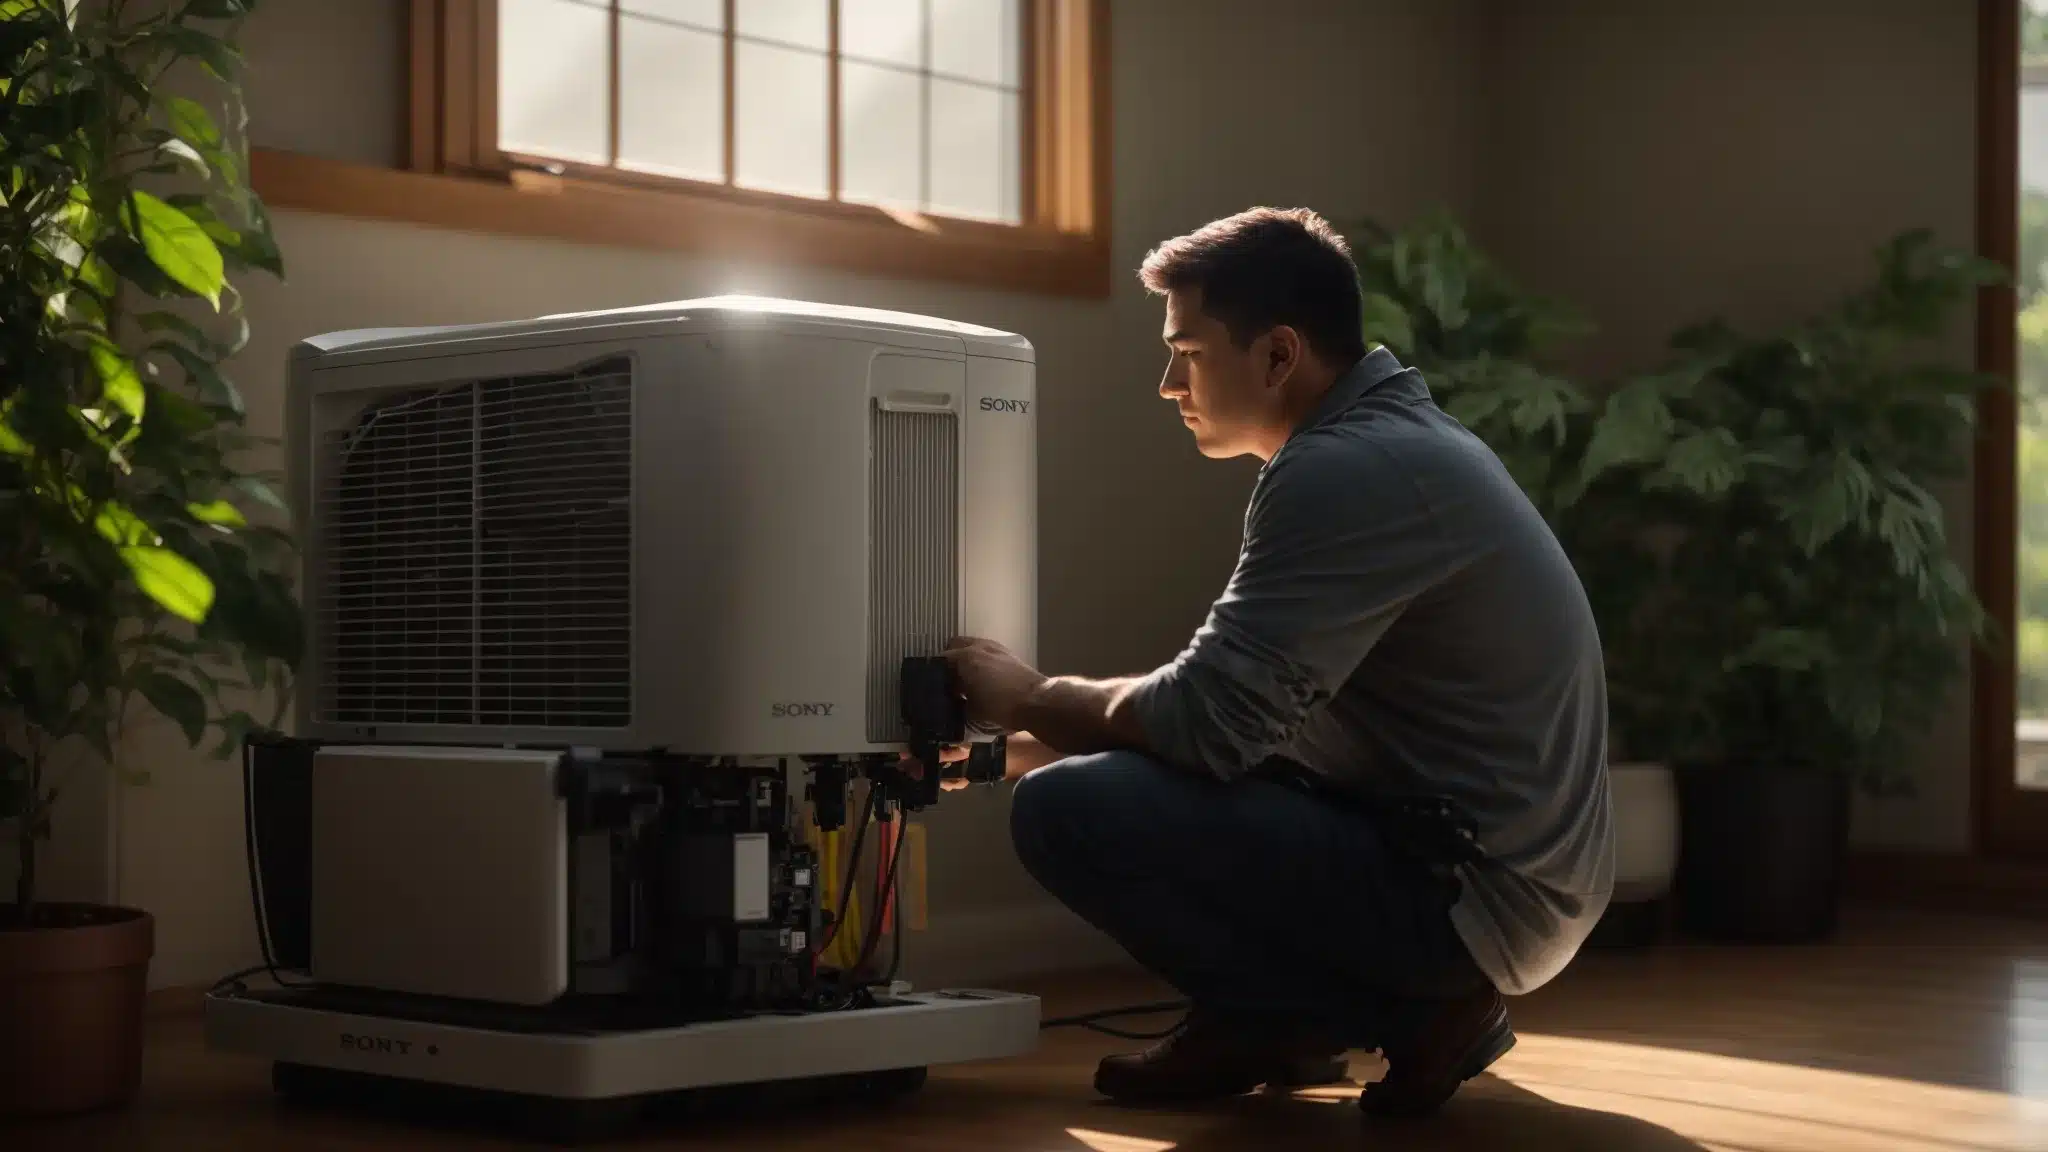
(477,565)
(914,567)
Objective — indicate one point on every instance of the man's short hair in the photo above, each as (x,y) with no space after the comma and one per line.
(1265,267)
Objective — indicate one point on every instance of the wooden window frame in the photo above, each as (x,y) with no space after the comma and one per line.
(455,176)
(2010,822)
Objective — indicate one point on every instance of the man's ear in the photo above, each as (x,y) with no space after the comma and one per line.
(1284,350)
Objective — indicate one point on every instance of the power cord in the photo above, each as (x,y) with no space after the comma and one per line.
(1093,1020)
(233,981)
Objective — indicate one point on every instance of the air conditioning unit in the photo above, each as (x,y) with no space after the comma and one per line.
(610,614)
(716,526)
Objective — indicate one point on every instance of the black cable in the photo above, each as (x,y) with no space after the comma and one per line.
(269,965)
(1093,1020)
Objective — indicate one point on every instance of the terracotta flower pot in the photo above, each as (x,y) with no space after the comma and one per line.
(72,987)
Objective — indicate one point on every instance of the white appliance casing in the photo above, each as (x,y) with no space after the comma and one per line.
(789,544)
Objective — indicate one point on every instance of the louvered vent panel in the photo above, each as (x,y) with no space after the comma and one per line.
(478,556)
(914,570)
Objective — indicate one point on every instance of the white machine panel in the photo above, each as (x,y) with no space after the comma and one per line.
(440,872)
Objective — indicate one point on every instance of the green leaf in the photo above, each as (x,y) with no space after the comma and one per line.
(179,246)
(1443,290)
(178,701)
(171,580)
(1910,520)
(214,53)
(185,155)
(1473,409)
(1388,323)
(1708,463)
(120,386)
(122,528)
(204,376)
(190,120)
(1838,500)
(234,729)
(217,512)
(1634,429)
(261,491)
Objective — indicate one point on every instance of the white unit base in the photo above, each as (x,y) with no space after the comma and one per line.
(901,1033)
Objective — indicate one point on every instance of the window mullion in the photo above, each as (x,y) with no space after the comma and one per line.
(832,108)
(612,104)
(924,106)
(731,87)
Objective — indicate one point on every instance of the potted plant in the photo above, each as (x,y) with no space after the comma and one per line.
(1802,620)
(1490,352)
(139,571)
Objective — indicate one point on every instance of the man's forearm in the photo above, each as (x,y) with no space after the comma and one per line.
(1076,716)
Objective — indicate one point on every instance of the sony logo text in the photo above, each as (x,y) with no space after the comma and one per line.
(998,404)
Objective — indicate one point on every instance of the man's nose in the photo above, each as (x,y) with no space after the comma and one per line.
(1171,386)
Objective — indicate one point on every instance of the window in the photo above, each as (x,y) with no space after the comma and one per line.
(958,139)
(2011,473)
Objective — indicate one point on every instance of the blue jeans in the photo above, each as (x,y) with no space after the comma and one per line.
(1258,899)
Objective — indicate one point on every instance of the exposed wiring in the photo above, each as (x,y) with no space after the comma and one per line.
(882,909)
(1093,1020)
(845,909)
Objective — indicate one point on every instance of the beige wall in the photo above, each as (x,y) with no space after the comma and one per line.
(1205,123)
(1649,159)
(1657,162)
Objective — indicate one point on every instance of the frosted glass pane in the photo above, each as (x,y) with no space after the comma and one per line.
(554,90)
(977,40)
(671,100)
(706,14)
(802,23)
(881,135)
(888,31)
(974,152)
(780,114)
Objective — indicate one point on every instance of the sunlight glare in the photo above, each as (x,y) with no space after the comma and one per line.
(1111,1142)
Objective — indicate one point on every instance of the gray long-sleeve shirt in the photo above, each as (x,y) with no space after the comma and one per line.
(1402,620)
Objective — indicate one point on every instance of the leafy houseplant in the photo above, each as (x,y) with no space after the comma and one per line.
(1805,620)
(1486,348)
(137,569)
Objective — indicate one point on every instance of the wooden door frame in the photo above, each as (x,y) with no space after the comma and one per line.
(2009,822)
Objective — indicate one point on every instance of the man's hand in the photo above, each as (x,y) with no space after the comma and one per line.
(995,683)
(1024,755)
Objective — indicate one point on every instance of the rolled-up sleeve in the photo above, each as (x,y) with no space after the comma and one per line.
(1338,541)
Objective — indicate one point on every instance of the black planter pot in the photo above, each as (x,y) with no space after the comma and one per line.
(1762,851)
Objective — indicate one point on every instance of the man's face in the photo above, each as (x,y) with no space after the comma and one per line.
(1229,397)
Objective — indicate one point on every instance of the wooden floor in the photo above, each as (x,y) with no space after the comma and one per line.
(1911,1033)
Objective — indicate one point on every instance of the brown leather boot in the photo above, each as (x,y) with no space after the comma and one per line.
(1451,1044)
(1205,1058)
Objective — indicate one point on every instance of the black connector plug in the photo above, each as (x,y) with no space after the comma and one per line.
(986,763)
(935,713)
